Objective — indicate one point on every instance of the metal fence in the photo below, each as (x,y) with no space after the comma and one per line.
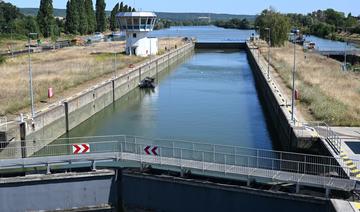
(211,154)
(3,123)
(324,131)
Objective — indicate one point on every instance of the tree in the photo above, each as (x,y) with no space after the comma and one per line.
(72,17)
(277,23)
(129,9)
(121,7)
(100,15)
(126,8)
(45,18)
(8,14)
(83,23)
(114,11)
(90,15)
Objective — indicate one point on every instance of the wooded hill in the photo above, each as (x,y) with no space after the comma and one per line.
(162,15)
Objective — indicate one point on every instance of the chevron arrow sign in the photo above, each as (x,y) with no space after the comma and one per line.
(81,148)
(149,150)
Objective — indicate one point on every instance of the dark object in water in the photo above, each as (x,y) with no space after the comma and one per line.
(148,82)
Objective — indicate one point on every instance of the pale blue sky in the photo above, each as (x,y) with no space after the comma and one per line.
(222,6)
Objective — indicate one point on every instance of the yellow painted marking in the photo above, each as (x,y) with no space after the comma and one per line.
(349,162)
(357,205)
(342,154)
(355,171)
(358,176)
(352,166)
(345,157)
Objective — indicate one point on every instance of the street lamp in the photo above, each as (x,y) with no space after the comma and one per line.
(345,55)
(115,62)
(257,29)
(30,78)
(268,72)
(295,33)
(11,40)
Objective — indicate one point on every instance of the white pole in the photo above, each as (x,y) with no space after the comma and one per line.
(31,80)
(293,82)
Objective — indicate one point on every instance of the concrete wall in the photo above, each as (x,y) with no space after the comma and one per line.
(115,189)
(59,119)
(156,193)
(275,107)
(58,192)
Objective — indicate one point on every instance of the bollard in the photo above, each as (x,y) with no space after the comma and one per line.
(23,139)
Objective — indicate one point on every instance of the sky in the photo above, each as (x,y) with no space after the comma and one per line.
(221,6)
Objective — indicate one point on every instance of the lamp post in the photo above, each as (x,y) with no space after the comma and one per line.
(345,55)
(115,62)
(257,28)
(268,72)
(295,33)
(11,40)
(30,79)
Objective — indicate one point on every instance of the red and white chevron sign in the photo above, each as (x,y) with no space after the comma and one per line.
(81,148)
(151,150)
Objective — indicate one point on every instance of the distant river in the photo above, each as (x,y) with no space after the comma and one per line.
(205,33)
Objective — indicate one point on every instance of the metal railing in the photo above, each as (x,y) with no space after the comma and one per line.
(324,131)
(3,123)
(213,154)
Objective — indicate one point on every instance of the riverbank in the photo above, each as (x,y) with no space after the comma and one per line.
(326,92)
(67,71)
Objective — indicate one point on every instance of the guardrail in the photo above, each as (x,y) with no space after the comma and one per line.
(324,131)
(3,123)
(186,150)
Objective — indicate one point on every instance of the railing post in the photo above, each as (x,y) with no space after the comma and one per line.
(225,162)
(173,152)
(213,153)
(257,158)
(203,162)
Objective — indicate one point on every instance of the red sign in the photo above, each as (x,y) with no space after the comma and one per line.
(81,148)
(50,93)
(151,151)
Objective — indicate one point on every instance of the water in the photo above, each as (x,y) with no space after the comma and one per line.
(330,45)
(205,33)
(210,98)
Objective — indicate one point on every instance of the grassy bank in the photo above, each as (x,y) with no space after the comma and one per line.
(67,71)
(327,93)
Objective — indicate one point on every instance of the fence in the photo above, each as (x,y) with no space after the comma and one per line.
(191,151)
(3,123)
(324,131)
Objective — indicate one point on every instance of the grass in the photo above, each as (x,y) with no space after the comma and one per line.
(327,93)
(67,71)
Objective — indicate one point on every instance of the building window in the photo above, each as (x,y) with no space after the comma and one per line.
(134,35)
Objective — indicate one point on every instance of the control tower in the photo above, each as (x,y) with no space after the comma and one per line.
(137,25)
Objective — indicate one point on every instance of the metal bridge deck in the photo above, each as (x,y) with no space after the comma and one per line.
(184,164)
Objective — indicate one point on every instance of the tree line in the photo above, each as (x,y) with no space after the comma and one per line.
(81,19)
(234,23)
(326,23)
(273,26)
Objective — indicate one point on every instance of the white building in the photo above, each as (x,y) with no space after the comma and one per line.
(137,25)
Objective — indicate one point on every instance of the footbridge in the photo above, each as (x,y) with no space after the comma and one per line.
(222,161)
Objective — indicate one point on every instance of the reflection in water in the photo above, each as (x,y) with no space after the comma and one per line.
(211,98)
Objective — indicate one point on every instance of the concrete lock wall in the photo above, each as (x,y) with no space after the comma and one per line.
(275,112)
(59,192)
(58,119)
(115,189)
(156,193)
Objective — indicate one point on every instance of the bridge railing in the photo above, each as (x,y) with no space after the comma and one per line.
(324,131)
(214,154)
